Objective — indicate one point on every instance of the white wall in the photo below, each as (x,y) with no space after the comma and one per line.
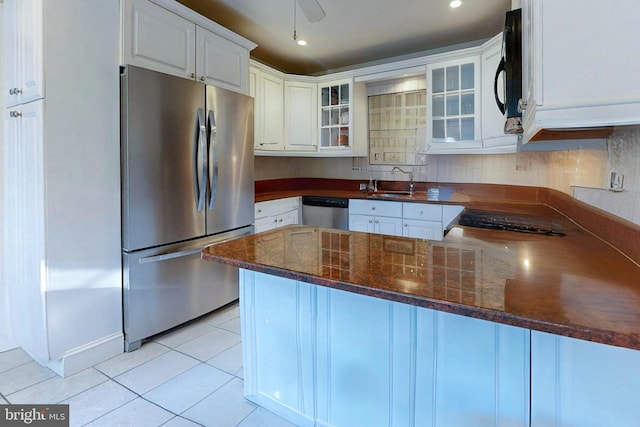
(559,170)
(624,155)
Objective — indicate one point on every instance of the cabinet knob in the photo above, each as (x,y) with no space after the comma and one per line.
(201,78)
(193,75)
(376,221)
(370,221)
(15,114)
(280,220)
(522,105)
(15,91)
(421,213)
(373,208)
(406,225)
(259,210)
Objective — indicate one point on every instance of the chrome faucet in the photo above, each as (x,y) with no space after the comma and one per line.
(410,177)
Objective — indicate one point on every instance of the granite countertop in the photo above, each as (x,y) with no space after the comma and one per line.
(575,285)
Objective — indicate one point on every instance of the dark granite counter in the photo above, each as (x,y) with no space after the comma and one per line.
(577,285)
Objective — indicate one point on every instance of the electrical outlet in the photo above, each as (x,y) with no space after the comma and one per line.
(616,181)
(363,186)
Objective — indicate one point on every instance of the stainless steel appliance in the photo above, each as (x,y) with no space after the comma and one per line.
(511,65)
(187,183)
(327,212)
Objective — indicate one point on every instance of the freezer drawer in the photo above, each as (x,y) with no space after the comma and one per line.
(167,286)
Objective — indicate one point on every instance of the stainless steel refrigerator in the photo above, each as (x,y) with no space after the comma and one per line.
(187,183)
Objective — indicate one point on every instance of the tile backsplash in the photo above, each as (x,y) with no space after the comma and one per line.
(581,173)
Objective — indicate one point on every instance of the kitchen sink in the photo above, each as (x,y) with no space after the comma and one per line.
(386,194)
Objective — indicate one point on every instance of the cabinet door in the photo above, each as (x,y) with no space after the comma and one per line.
(23,51)
(335,115)
(362,223)
(453,105)
(264,224)
(300,116)
(287,218)
(24,189)
(220,62)
(271,96)
(388,225)
(431,230)
(157,39)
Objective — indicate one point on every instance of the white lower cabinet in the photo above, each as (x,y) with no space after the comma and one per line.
(276,213)
(325,357)
(408,219)
(374,216)
(581,383)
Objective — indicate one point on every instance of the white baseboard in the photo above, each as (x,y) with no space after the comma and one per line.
(88,355)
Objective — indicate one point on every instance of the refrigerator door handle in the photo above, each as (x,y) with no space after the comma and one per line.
(213,158)
(192,250)
(167,256)
(199,160)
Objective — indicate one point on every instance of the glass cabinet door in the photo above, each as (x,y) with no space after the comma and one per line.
(335,115)
(453,88)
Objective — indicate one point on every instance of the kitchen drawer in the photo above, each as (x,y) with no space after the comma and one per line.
(375,207)
(422,211)
(275,207)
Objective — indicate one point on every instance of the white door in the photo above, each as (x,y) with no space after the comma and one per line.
(272,98)
(157,39)
(220,62)
(23,45)
(301,116)
(362,223)
(388,225)
(431,230)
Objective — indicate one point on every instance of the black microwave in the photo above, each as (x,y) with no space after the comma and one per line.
(511,66)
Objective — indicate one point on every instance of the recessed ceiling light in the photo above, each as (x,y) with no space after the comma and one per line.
(455,3)
(301,42)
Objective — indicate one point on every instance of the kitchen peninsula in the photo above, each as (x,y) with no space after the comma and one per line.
(484,328)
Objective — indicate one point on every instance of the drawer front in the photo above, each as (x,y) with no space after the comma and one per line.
(276,207)
(375,207)
(422,211)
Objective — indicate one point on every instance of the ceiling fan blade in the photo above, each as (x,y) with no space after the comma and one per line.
(312,10)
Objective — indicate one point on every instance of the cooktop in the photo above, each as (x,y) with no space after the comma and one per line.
(508,222)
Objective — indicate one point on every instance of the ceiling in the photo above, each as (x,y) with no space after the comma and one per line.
(353,31)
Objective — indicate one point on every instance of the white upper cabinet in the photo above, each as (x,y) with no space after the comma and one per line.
(579,66)
(268,92)
(23,45)
(156,38)
(453,105)
(220,62)
(300,116)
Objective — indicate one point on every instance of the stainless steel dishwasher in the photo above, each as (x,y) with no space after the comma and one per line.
(327,212)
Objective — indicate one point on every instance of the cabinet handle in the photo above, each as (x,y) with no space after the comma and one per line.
(370,221)
(421,213)
(201,78)
(376,221)
(522,105)
(15,114)
(373,208)
(193,75)
(15,91)
(259,210)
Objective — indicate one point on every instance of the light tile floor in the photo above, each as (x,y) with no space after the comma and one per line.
(191,376)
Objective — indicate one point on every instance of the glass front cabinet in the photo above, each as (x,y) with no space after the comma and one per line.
(453,105)
(335,115)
